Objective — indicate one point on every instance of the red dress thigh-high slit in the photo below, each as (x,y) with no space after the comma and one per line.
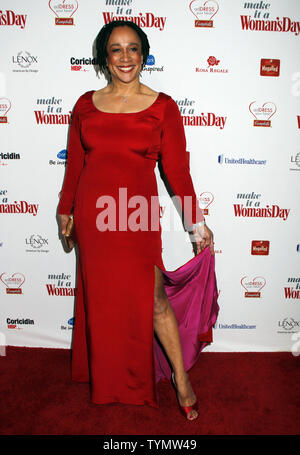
(112,157)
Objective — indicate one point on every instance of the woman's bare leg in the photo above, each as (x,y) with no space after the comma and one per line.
(166,328)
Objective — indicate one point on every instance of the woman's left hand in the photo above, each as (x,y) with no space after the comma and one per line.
(203,237)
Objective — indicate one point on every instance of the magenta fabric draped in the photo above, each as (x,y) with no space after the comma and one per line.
(192,292)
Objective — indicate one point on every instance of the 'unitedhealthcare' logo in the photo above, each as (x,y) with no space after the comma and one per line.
(298,247)
(225,160)
(71,321)
(62,154)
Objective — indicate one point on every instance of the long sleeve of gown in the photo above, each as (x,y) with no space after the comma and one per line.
(75,163)
(175,164)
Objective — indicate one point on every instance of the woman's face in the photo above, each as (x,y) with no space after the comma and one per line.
(124,54)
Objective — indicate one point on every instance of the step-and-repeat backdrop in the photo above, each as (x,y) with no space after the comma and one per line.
(233,68)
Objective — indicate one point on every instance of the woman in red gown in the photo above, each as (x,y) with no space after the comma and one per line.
(117,135)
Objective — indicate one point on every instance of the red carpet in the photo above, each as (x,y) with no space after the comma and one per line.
(239,394)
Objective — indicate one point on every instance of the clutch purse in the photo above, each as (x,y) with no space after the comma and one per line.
(69,235)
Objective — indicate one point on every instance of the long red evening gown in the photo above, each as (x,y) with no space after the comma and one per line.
(113,333)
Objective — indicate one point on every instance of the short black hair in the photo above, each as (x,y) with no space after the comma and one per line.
(103,37)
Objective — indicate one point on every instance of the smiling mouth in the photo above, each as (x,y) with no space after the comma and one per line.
(125,69)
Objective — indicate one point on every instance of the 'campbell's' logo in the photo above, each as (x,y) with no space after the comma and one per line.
(63,10)
(262,113)
(204,11)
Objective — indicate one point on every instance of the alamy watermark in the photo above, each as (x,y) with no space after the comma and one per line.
(145,218)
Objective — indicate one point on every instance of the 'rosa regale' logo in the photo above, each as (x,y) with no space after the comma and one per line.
(212,61)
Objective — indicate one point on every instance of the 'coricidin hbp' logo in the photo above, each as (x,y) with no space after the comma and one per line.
(204,12)
(63,10)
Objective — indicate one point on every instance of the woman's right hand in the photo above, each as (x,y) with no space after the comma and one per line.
(63,223)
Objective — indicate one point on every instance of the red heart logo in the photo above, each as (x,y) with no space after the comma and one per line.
(5,105)
(200,8)
(256,284)
(63,8)
(14,281)
(205,199)
(267,115)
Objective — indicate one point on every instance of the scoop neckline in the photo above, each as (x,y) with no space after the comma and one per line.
(123,113)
